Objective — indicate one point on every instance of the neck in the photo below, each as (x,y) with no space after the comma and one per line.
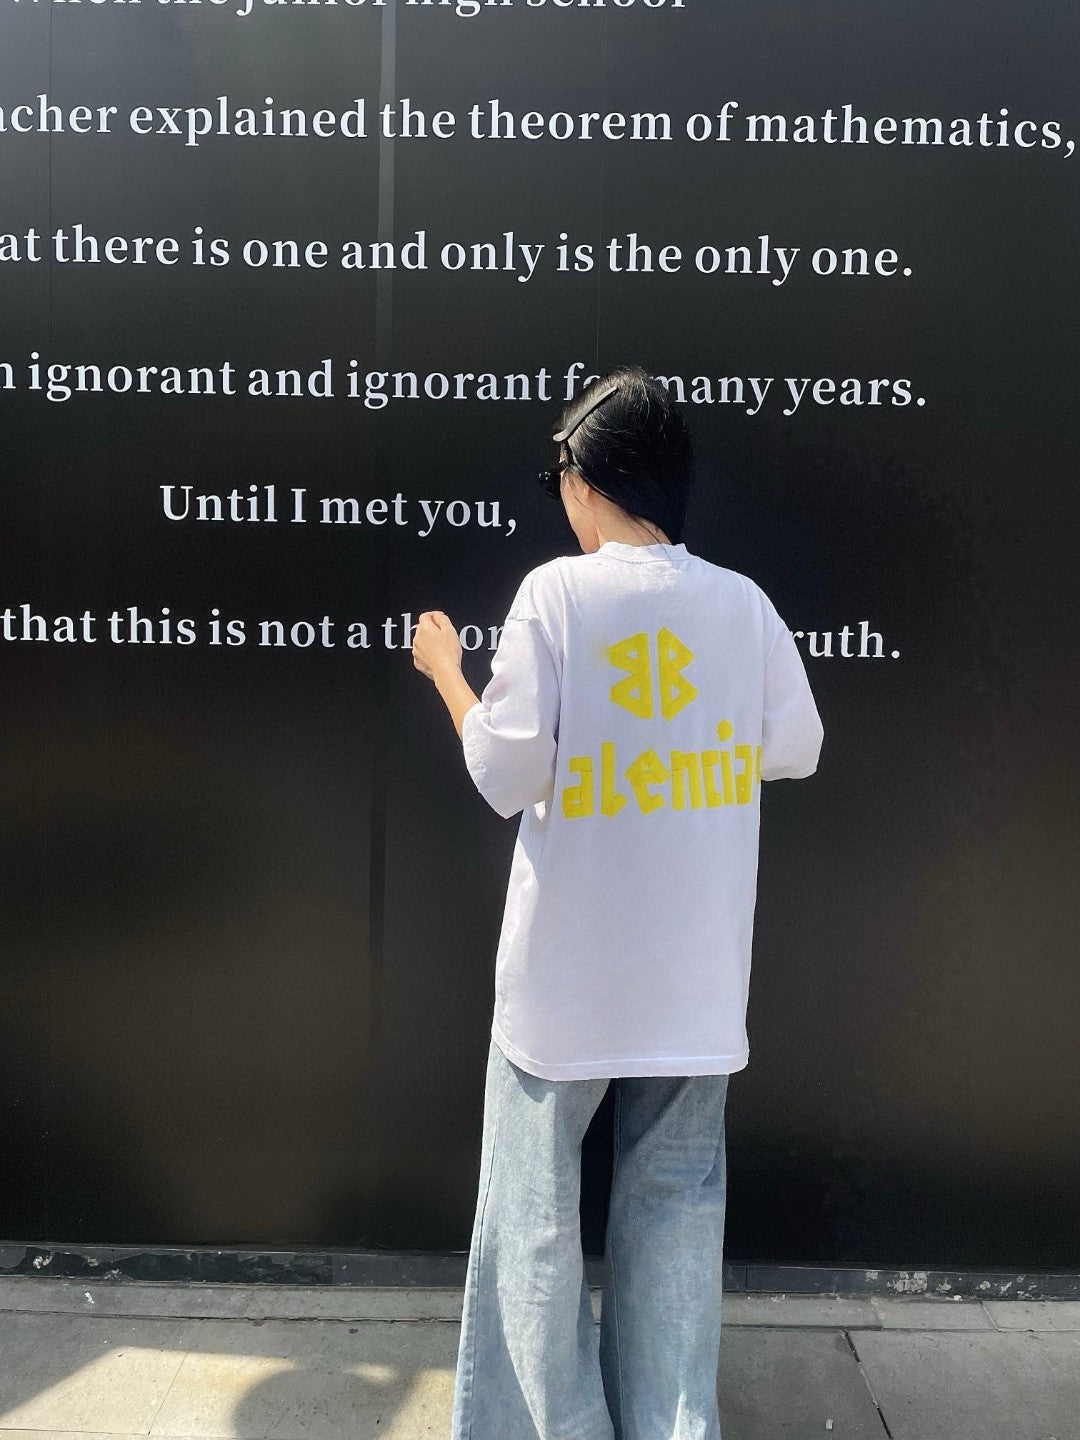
(632,535)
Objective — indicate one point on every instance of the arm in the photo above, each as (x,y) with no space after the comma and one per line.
(456,692)
(437,653)
(791,727)
(508,734)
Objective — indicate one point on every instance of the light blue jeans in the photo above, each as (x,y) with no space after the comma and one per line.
(530,1365)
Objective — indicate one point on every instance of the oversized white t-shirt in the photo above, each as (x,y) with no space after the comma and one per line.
(638,697)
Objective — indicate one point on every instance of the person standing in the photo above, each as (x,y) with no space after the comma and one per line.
(639,696)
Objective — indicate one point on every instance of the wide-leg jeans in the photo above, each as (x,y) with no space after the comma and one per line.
(530,1363)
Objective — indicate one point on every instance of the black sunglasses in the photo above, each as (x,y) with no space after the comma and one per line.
(550,479)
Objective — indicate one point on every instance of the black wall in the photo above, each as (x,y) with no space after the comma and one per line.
(250,896)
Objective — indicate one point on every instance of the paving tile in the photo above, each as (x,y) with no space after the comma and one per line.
(76,1372)
(319,1380)
(369,1303)
(251,1302)
(1034,1315)
(834,1312)
(977,1385)
(898,1314)
(791,1383)
(125,1297)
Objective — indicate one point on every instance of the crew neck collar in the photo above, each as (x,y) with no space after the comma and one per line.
(620,550)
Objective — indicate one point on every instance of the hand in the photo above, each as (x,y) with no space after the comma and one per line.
(435,643)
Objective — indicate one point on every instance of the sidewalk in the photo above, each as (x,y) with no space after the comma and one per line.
(79,1359)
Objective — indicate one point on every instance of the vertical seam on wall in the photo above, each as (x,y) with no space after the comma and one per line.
(49,470)
(377,741)
(384,277)
(604,30)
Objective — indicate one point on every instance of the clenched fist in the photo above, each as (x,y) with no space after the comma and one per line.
(435,643)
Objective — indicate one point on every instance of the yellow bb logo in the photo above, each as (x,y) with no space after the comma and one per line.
(635,692)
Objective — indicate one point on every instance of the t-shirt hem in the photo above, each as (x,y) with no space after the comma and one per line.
(802,773)
(632,1066)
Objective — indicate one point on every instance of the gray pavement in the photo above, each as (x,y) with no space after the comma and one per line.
(81,1360)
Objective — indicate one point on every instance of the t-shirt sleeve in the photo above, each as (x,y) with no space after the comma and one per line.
(509,737)
(791,727)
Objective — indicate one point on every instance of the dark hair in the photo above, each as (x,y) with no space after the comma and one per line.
(633,446)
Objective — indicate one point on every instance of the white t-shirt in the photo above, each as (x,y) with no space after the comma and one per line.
(638,697)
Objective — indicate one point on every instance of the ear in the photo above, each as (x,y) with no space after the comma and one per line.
(582,489)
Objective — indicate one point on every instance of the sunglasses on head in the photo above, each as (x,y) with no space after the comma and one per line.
(550,479)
